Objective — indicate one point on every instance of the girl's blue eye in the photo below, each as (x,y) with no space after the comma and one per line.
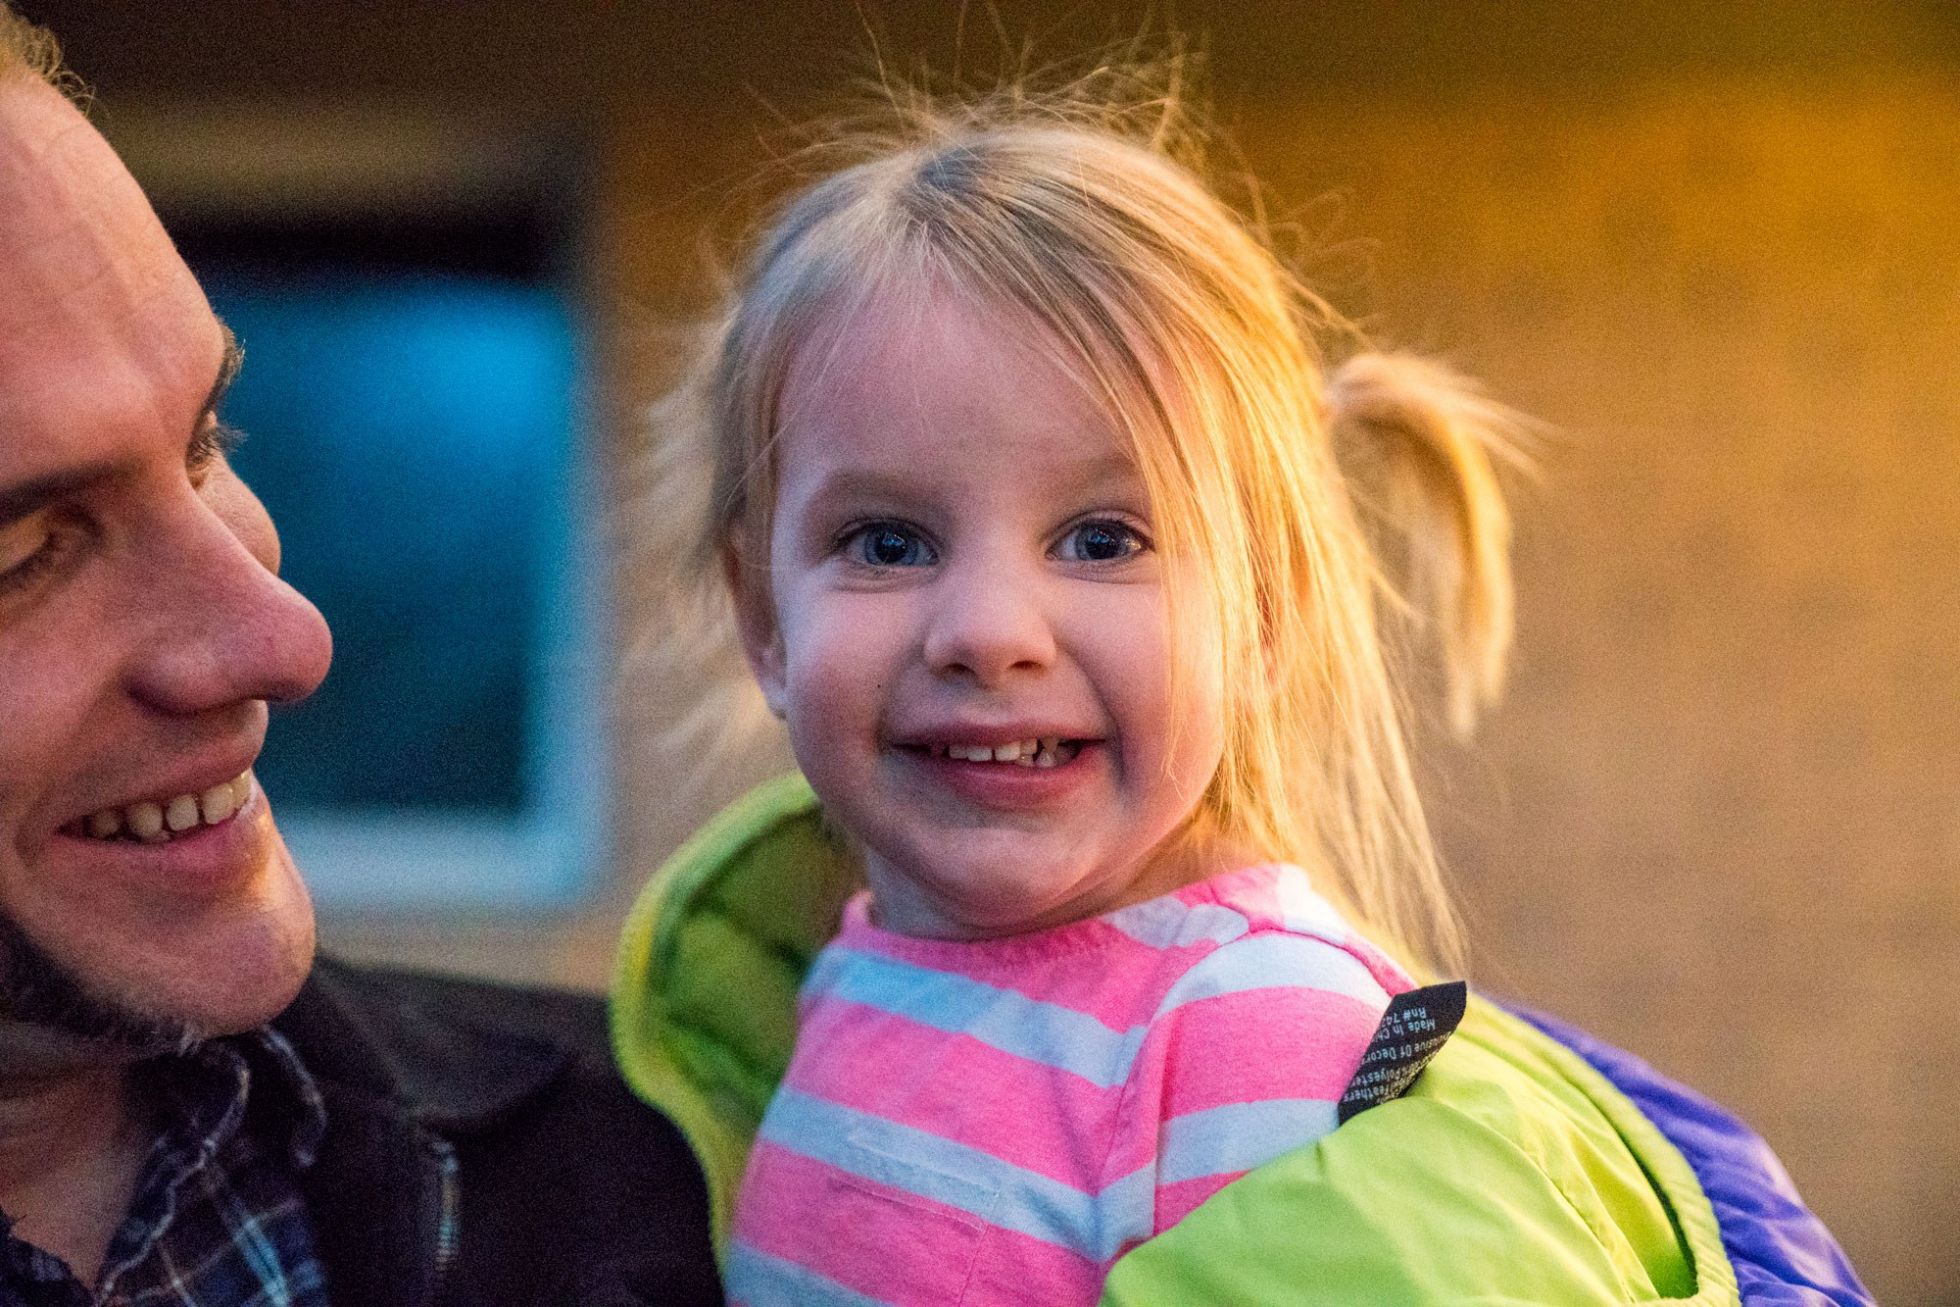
(888,544)
(1101,542)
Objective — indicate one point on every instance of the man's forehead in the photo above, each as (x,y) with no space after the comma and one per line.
(45,144)
(70,213)
(97,311)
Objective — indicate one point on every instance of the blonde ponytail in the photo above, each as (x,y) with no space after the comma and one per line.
(1418,443)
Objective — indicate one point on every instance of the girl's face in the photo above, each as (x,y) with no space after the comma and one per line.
(966,628)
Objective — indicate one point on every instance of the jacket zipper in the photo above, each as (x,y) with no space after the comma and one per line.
(448,1215)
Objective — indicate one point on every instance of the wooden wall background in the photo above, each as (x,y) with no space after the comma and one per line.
(1716,245)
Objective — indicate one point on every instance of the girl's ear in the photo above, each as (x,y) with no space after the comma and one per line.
(755,624)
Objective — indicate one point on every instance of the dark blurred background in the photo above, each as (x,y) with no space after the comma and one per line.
(1717,245)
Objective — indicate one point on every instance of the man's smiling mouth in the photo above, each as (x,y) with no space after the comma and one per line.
(164,820)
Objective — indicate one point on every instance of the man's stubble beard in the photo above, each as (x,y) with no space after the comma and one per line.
(38,989)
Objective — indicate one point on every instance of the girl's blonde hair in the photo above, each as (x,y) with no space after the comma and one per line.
(1333,513)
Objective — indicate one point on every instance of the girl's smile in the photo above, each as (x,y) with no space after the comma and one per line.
(1022,772)
(967,625)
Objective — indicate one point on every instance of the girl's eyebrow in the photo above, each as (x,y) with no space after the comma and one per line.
(863,483)
(1114,469)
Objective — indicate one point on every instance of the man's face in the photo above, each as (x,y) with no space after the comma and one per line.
(143,627)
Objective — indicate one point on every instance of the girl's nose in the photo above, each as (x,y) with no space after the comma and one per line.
(987,624)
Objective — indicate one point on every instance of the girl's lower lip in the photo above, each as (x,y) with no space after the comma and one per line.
(1005,784)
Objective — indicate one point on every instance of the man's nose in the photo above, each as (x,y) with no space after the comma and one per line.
(988,622)
(224,628)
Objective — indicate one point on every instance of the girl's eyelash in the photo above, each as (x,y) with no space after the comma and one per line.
(849,539)
(1133,533)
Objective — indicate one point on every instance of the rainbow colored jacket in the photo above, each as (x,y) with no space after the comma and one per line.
(1529,1163)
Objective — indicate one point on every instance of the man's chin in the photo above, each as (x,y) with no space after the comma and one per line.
(37,989)
(165,996)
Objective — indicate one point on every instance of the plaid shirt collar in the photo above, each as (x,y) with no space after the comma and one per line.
(217,1216)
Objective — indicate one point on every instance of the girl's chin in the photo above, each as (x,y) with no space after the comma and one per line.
(962,913)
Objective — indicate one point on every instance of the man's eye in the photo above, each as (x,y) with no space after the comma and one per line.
(1101,541)
(27,549)
(214,442)
(889,544)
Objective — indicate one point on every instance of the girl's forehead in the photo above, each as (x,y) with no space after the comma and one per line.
(944,391)
(930,348)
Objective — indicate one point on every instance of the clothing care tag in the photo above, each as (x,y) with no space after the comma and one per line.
(1414,1027)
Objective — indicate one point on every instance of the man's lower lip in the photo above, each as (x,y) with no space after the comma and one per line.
(169,837)
(201,860)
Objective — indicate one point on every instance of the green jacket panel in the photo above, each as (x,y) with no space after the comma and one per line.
(1499,1178)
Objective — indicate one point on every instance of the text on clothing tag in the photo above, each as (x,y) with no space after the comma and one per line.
(1414,1027)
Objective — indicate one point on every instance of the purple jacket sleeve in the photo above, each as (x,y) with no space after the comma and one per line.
(1783,1255)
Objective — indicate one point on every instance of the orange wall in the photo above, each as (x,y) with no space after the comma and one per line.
(1718,819)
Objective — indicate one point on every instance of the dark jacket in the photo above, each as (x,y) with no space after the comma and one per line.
(481,1150)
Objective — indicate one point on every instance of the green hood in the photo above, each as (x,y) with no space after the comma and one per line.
(1511,1173)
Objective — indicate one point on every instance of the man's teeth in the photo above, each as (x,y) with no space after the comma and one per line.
(1047,751)
(155,823)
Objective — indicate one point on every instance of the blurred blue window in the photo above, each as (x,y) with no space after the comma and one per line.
(413,432)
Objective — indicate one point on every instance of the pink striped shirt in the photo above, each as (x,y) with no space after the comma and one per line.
(996,1121)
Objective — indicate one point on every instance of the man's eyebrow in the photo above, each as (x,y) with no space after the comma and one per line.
(234,358)
(29,497)
(19,501)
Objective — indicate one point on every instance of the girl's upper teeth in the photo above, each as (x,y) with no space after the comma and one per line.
(158,821)
(1013,751)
